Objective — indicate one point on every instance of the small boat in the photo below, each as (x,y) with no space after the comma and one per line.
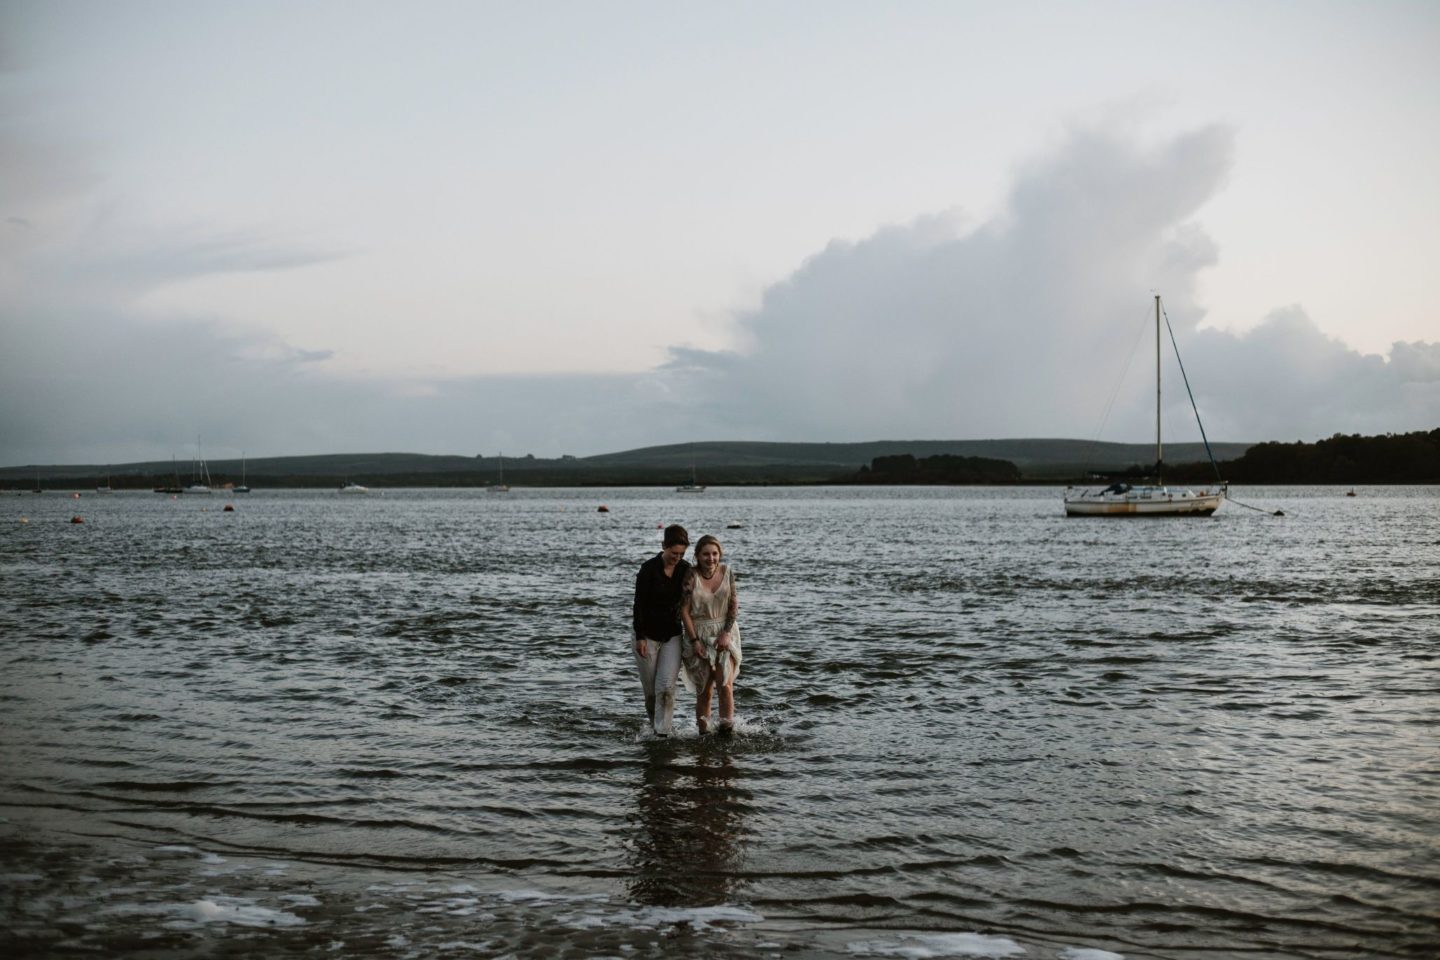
(500,486)
(172,488)
(242,488)
(1123,499)
(106,488)
(1142,500)
(694,486)
(199,474)
(350,486)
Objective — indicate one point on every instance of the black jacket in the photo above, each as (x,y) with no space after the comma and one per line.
(657,599)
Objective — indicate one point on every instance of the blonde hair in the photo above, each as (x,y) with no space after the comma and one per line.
(704,542)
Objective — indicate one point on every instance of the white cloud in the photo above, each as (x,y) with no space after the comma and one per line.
(1021,326)
(1018,326)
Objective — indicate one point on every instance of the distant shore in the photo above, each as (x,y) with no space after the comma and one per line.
(1387,458)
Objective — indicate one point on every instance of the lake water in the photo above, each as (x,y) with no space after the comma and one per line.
(407,725)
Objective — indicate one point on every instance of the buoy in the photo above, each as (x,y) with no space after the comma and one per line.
(77,519)
(24,519)
(602,509)
(229,508)
(74,496)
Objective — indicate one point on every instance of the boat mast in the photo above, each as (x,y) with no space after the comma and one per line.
(1159,451)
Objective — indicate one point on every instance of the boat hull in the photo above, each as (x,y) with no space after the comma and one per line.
(1168,504)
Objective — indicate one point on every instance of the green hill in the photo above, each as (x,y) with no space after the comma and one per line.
(715,462)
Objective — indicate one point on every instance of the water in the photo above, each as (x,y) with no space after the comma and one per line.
(407,725)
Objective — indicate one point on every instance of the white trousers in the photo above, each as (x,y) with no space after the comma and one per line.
(658,670)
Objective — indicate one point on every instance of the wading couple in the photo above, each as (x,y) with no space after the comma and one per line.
(685,626)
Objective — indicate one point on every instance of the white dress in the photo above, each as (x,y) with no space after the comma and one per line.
(709,611)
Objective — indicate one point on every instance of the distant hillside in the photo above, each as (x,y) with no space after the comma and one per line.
(715,462)
(1037,459)
(941,469)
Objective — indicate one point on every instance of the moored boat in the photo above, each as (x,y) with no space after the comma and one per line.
(499,485)
(694,486)
(1151,499)
(1124,499)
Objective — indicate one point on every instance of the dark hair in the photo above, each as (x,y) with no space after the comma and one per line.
(676,534)
(705,541)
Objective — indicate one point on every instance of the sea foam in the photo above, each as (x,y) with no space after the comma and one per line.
(926,945)
(230,910)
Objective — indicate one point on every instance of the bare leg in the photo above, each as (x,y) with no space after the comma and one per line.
(726,691)
(702,703)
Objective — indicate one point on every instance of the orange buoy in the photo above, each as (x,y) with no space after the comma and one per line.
(602,509)
(77,519)
(229,508)
(74,496)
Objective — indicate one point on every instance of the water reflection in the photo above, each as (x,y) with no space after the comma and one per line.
(689,830)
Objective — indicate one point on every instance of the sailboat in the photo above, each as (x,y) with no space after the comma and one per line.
(1124,499)
(500,486)
(174,487)
(694,486)
(199,473)
(243,488)
(106,488)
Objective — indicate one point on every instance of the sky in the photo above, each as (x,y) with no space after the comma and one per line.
(579,227)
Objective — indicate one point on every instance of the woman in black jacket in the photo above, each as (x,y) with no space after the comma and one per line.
(657,626)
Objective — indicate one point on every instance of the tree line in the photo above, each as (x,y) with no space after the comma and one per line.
(1343,459)
(943,468)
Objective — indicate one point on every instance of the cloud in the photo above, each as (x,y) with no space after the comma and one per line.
(1023,325)
(107,388)
(1287,380)
(937,328)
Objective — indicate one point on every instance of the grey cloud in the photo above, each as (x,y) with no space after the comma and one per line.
(1286,380)
(1022,326)
(105,388)
(1016,327)
(923,331)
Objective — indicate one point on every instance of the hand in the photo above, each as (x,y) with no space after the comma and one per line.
(722,642)
(640,646)
(699,649)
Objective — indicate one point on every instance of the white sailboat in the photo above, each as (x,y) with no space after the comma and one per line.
(500,486)
(199,473)
(1125,499)
(694,486)
(243,488)
(350,486)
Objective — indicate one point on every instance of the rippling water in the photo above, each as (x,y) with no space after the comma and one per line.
(407,725)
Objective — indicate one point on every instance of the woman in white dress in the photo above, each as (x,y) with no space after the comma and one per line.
(709,609)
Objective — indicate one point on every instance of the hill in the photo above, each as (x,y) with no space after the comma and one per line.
(717,462)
